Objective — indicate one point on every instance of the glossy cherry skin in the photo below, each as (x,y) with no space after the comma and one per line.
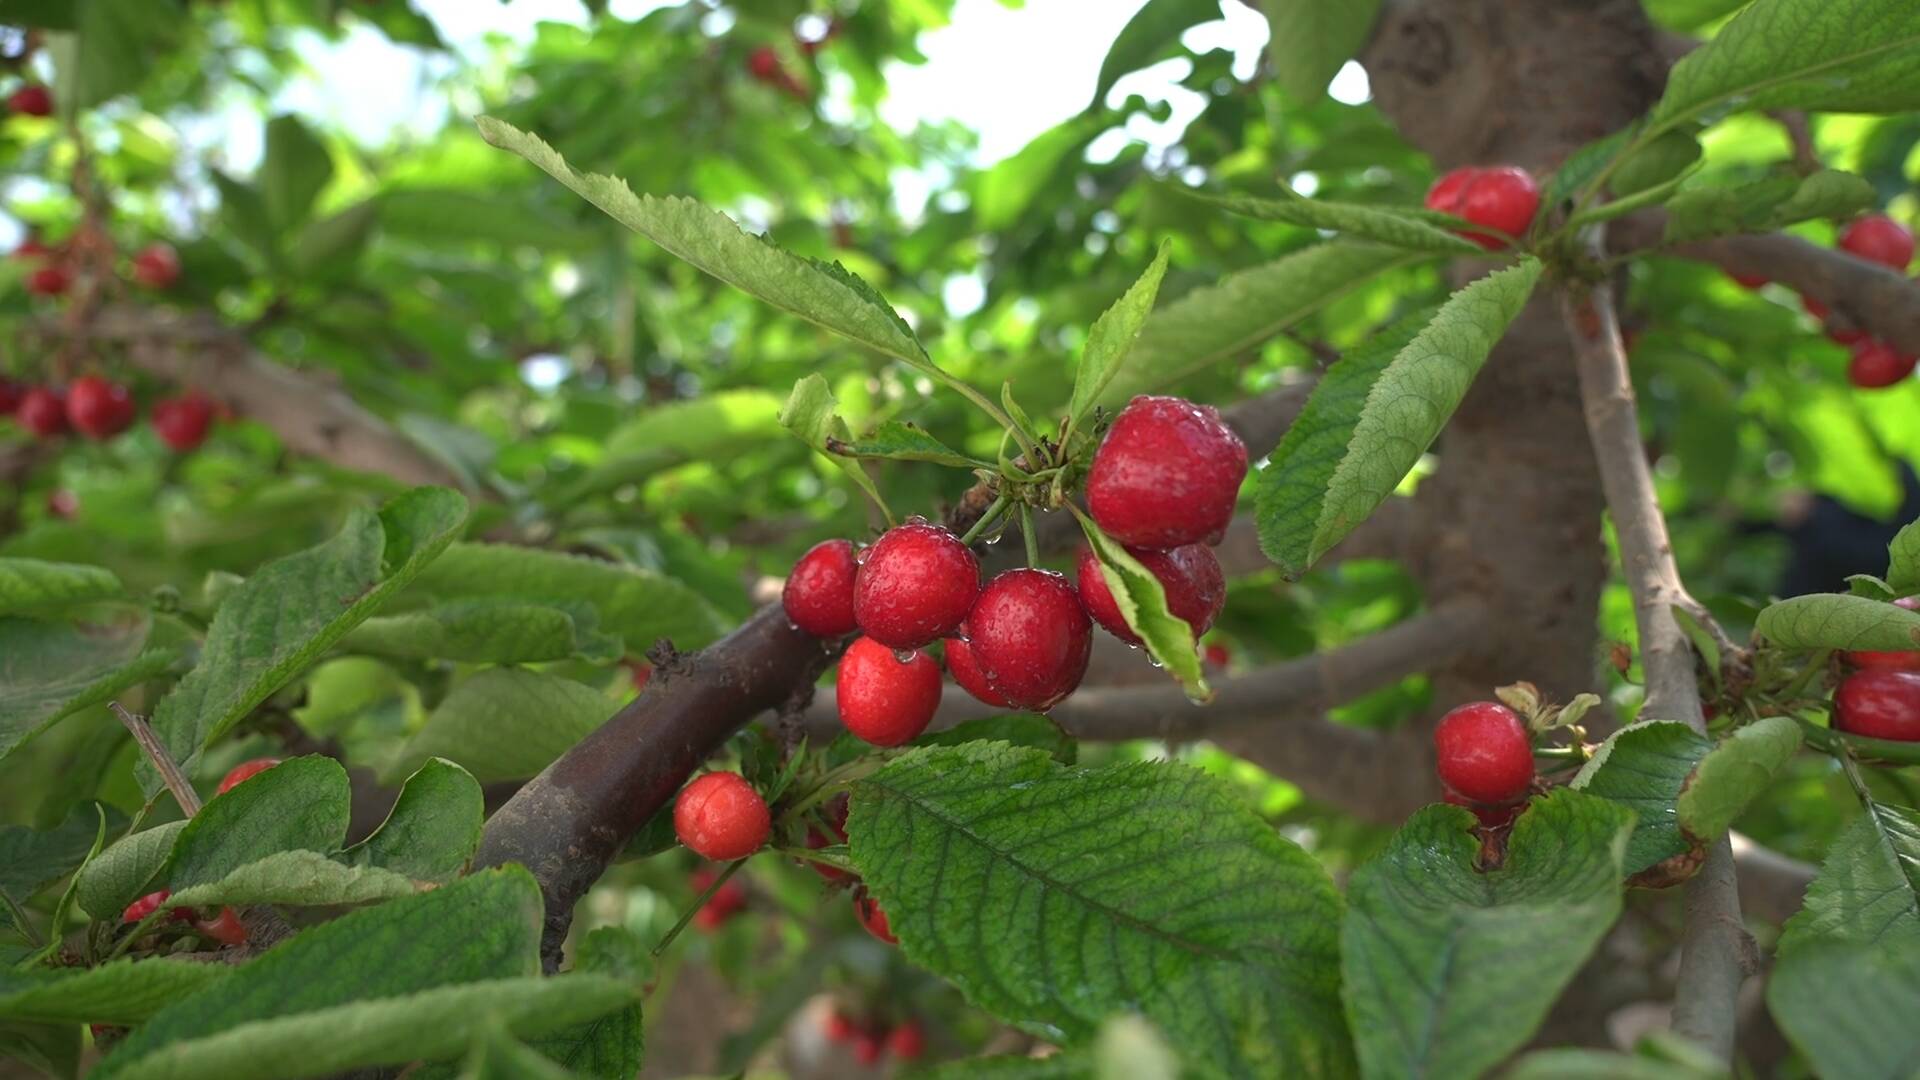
(721,817)
(966,671)
(99,408)
(244,772)
(819,593)
(867,910)
(42,411)
(1166,474)
(156,266)
(1484,752)
(1875,364)
(182,422)
(1501,197)
(1879,704)
(149,904)
(48,280)
(882,700)
(225,928)
(1031,637)
(31,101)
(1897,660)
(915,586)
(1880,239)
(1190,574)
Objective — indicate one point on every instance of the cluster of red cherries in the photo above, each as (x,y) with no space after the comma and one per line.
(224,927)
(874,1039)
(1876,238)
(156,266)
(100,409)
(1880,697)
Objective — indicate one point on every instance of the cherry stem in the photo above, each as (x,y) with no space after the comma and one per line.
(819,855)
(694,909)
(1027,534)
(830,784)
(993,512)
(1855,778)
(170,774)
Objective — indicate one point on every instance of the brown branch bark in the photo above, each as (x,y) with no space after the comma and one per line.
(310,416)
(1715,947)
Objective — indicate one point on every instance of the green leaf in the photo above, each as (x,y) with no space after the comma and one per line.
(1217,323)
(1735,773)
(293,169)
(638,606)
(1903,561)
(487,631)
(1850,1007)
(508,723)
(28,585)
(1153,31)
(1690,14)
(1294,484)
(1424,928)
(1056,897)
(124,872)
(53,1049)
(611,1045)
(700,427)
(297,879)
(117,42)
(500,1057)
(1824,55)
(292,610)
(1716,209)
(1405,407)
(243,214)
(1143,603)
(433,829)
(1584,165)
(121,992)
(809,414)
(1868,890)
(331,245)
(1312,39)
(1660,161)
(897,440)
(55,666)
(1011,190)
(1838,621)
(348,991)
(1397,226)
(32,859)
(1112,337)
(826,295)
(1020,729)
(489,217)
(300,804)
(1606,1065)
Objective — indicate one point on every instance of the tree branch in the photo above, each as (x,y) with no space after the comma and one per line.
(1715,946)
(310,416)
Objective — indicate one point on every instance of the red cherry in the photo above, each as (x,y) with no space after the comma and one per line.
(1491,817)
(182,422)
(867,910)
(907,1041)
(1190,574)
(99,409)
(10,395)
(31,101)
(1218,654)
(1898,660)
(1485,752)
(839,1027)
(721,817)
(1166,474)
(1504,197)
(147,905)
(915,586)
(157,266)
(1878,238)
(1879,705)
(764,64)
(244,772)
(1875,364)
(819,592)
(965,670)
(867,1047)
(1845,337)
(63,504)
(43,411)
(882,699)
(1448,192)
(225,928)
(48,280)
(1031,637)
(1749,281)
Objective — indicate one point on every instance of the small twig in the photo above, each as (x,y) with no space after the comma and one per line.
(170,774)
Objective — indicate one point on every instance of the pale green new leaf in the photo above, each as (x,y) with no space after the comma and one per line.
(1827,55)
(292,610)
(809,414)
(1056,897)
(1773,202)
(297,879)
(1143,603)
(827,296)
(1311,39)
(1903,561)
(698,427)
(898,440)
(1424,927)
(121,992)
(34,584)
(1111,339)
(124,872)
(508,723)
(1838,621)
(1217,323)
(300,804)
(1735,773)
(433,829)
(487,631)
(1397,226)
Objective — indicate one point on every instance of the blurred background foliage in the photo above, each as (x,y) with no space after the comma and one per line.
(610,400)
